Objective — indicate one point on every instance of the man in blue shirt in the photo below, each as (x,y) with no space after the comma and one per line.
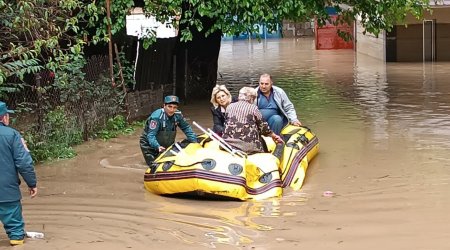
(161,129)
(275,105)
(14,159)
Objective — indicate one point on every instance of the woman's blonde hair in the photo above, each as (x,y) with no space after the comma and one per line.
(247,94)
(215,91)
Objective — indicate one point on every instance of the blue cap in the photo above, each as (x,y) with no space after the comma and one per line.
(4,109)
(171,99)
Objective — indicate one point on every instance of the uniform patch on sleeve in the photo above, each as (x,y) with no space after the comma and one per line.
(153,124)
(24,144)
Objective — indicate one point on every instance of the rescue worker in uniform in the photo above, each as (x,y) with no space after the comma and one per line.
(161,128)
(14,160)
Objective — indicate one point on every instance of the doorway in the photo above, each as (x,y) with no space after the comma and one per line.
(429,40)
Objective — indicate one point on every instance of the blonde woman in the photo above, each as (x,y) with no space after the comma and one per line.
(220,99)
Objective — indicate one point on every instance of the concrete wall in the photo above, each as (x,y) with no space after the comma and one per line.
(409,43)
(442,15)
(295,29)
(142,103)
(410,37)
(370,45)
(443,41)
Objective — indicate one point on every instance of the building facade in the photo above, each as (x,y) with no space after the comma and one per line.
(414,40)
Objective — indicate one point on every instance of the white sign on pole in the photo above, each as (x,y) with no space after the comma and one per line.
(141,26)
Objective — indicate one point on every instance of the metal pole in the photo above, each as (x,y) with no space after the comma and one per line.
(37,78)
(185,74)
(174,75)
(124,88)
(111,69)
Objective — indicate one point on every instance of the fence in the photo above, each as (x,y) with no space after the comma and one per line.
(86,103)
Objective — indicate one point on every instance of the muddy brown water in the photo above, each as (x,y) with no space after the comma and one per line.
(384,142)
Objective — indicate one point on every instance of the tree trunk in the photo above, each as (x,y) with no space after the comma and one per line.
(197,64)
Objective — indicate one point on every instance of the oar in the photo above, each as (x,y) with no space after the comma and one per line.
(178,147)
(212,137)
(225,146)
(224,142)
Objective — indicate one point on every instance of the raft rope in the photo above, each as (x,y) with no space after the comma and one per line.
(302,138)
(291,145)
(205,161)
(184,166)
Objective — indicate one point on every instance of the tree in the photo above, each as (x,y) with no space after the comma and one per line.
(37,34)
(42,33)
(238,16)
(31,34)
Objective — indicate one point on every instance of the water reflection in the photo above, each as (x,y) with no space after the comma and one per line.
(229,223)
(396,101)
(371,93)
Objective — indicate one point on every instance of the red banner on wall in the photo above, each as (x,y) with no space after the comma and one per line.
(328,38)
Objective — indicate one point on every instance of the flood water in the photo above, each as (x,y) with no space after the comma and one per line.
(384,143)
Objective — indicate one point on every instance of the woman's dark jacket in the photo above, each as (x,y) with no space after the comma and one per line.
(218,120)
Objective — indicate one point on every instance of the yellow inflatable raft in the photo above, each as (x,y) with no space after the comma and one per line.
(210,169)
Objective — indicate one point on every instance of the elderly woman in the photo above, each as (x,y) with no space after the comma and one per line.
(220,99)
(244,124)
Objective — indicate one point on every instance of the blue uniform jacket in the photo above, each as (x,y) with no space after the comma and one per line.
(14,159)
(159,121)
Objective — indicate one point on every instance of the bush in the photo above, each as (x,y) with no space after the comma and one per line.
(54,137)
(114,127)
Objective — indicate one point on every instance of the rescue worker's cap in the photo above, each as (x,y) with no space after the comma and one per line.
(4,109)
(171,99)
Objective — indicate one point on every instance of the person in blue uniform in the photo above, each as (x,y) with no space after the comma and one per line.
(161,129)
(14,160)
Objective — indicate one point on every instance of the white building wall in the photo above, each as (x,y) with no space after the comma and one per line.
(370,45)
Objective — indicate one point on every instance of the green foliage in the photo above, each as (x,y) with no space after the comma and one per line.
(42,34)
(5,90)
(376,16)
(232,17)
(83,107)
(148,41)
(127,72)
(92,101)
(54,137)
(33,32)
(96,18)
(138,124)
(70,78)
(38,33)
(80,93)
(18,68)
(114,127)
